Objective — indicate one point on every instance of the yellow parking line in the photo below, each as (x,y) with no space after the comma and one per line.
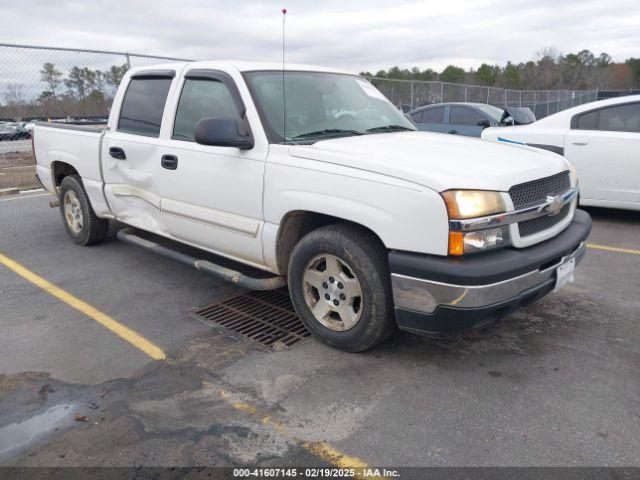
(333,456)
(613,249)
(120,330)
(322,450)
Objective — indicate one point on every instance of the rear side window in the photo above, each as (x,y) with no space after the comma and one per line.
(417,117)
(588,121)
(202,98)
(433,115)
(618,118)
(464,116)
(143,105)
(621,118)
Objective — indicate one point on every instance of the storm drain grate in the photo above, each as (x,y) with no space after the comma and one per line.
(263,316)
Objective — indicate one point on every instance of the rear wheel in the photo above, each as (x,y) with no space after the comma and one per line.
(80,221)
(339,285)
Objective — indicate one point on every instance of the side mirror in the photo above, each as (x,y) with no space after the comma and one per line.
(484,123)
(222,132)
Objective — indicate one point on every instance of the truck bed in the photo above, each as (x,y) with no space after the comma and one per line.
(77,145)
(78,126)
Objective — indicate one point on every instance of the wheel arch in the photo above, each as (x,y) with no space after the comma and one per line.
(297,223)
(61,169)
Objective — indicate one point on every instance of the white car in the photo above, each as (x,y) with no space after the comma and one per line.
(601,139)
(373,225)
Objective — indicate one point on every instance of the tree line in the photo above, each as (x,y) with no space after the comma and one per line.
(80,92)
(80,83)
(86,92)
(550,70)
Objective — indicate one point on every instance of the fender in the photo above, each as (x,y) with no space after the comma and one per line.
(409,219)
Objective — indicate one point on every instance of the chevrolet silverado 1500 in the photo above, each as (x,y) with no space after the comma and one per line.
(314,177)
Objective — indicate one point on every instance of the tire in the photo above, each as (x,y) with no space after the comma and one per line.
(361,261)
(78,217)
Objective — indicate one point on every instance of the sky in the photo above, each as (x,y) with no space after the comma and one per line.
(354,35)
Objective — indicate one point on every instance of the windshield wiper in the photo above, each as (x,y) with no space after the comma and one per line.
(327,131)
(390,128)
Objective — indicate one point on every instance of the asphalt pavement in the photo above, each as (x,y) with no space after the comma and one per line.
(554,384)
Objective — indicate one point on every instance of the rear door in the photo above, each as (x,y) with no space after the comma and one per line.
(603,145)
(130,151)
(212,196)
(430,119)
(464,121)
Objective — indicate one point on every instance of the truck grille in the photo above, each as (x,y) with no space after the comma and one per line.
(540,224)
(534,193)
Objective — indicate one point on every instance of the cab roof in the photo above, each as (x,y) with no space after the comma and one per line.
(241,66)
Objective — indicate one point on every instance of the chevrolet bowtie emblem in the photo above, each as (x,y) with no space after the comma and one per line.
(555,204)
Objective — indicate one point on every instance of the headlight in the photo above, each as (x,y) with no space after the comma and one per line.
(461,243)
(463,204)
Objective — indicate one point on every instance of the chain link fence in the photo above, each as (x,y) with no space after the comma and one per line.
(59,84)
(410,94)
(43,83)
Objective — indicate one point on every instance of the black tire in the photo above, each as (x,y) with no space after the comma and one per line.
(93,229)
(367,257)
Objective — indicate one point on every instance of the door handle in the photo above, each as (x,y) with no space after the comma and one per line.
(117,152)
(453,132)
(581,144)
(170,162)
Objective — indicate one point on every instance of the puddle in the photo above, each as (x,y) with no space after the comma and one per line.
(20,434)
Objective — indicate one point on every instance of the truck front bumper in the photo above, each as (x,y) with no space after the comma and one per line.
(435,294)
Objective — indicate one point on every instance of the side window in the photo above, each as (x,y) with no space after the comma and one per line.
(617,118)
(620,118)
(202,98)
(464,116)
(433,115)
(588,121)
(143,105)
(417,117)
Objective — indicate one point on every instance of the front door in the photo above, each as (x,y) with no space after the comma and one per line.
(464,121)
(211,197)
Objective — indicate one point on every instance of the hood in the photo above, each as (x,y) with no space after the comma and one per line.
(437,161)
(520,115)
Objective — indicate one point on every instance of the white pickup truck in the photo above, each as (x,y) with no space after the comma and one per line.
(314,177)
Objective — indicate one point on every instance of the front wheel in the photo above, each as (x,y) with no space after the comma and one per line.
(80,221)
(339,285)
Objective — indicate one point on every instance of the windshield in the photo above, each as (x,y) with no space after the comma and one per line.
(494,112)
(521,115)
(322,105)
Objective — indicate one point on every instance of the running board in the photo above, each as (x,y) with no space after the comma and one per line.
(271,283)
